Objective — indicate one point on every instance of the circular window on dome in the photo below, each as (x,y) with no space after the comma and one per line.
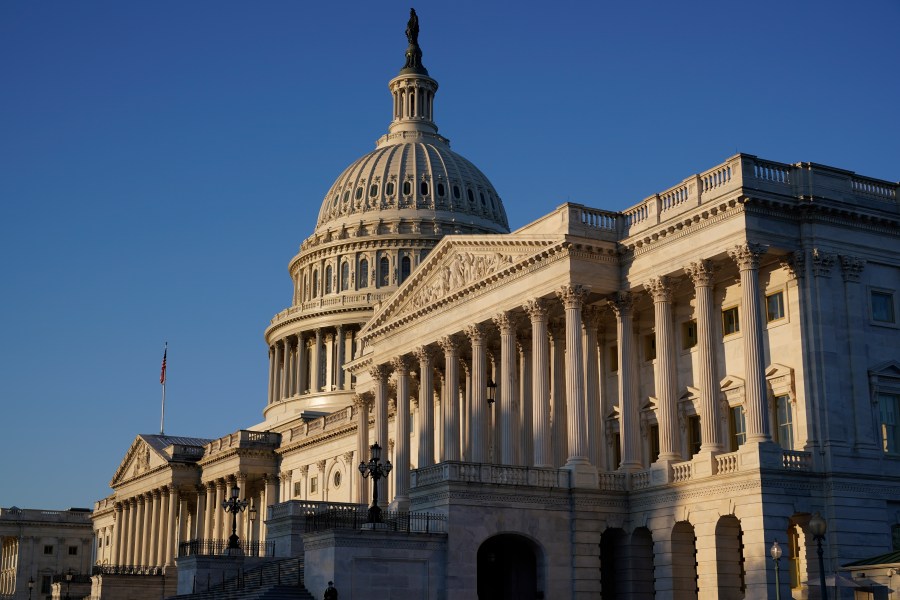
(423,188)
(406,188)
(456,192)
(337,479)
(373,191)
(389,190)
(440,190)
(471,196)
(359,193)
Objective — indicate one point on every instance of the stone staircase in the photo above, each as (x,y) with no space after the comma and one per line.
(275,580)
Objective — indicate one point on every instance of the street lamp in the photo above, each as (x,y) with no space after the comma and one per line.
(817,527)
(234,506)
(376,470)
(30,586)
(251,514)
(775,551)
(69,575)
(491,392)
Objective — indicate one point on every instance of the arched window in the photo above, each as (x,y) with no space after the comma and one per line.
(384,272)
(315,286)
(363,274)
(373,191)
(328,275)
(359,193)
(347,196)
(407,189)
(405,268)
(423,188)
(389,189)
(440,190)
(345,276)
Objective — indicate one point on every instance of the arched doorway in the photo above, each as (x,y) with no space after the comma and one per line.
(684,562)
(730,558)
(507,568)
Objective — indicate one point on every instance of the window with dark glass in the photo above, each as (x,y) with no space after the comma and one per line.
(315,286)
(345,276)
(654,443)
(784,422)
(405,268)
(384,272)
(373,190)
(389,189)
(695,438)
(407,188)
(737,425)
(883,307)
(774,306)
(48,549)
(483,203)
(456,192)
(423,188)
(471,196)
(730,321)
(73,550)
(889,405)
(359,193)
(613,358)
(363,274)
(440,189)
(328,276)
(347,196)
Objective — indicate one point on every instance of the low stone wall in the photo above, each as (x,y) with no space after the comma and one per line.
(132,587)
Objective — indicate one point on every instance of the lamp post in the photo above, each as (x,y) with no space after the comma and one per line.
(817,527)
(251,514)
(234,506)
(775,551)
(69,575)
(491,392)
(30,586)
(376,471)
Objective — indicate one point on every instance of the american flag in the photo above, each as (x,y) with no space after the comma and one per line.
(162,373)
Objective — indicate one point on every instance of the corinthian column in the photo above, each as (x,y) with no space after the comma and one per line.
(661,290)
(629,404)
(572,297)
(450,402)
(362,403)
(526,426)
(302,364)
(507,385)
(277,375)
(592,318)
(479,424)
(286,369)
(701,274)
(379,375)
(558,418)
(425,355)
(540,357)
(401,452)
(340,357)
(747,258)
(117,532)
(315,378)
(271,373)
(171,547)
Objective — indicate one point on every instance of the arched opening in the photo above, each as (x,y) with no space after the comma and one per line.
(405,267)
(684,562)
(363,274)
(345,276)
(328,277)
(384,272)
(612,563)
(315,285)
(730,558)
(508,568)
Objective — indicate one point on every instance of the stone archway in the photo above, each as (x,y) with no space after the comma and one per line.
(508,568)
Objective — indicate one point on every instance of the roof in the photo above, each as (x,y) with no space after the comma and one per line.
(160,442)
(890,558)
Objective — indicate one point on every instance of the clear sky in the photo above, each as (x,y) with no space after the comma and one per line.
(160,163)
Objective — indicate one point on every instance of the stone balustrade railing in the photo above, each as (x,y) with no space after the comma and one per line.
(640,480)
(495,474)
(727,463)
(342,300)
(796,460)
(682,471)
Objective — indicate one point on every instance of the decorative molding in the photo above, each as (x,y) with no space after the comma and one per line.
(822,263)
(701,273)
(851,267)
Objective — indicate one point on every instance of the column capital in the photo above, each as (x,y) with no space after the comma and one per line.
(362,401)
(794,264)
(321,464)
(402,364)
(380,373)
(701,273)
(822,263)
(660,288)
(622,303)
(537,309)
(592,317)
(572,296)
(304,471)
(504,322)
(348,457)
(747,255)
(851,267)
(449,344)
(476,333)
(425,354)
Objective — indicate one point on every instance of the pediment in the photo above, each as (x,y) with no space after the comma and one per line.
(140,458)
(458,265)
(888,370)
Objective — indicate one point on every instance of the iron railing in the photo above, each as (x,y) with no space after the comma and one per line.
(123,570)
(202,547)
(354,517)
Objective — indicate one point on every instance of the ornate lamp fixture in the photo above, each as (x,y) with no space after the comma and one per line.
(376,471)
(234,506)
(491,392)
(775,551)
(817,527)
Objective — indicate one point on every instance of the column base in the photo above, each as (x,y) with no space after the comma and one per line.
(704,463)
(661,471)
(760,455)
(582,474)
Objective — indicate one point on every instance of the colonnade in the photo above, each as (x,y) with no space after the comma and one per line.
(547,412)
(9,563)
(146,528)
(310,362)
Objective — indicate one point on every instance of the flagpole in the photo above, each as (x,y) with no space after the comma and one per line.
(162,380)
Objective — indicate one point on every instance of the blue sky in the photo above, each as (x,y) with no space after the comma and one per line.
(160,163)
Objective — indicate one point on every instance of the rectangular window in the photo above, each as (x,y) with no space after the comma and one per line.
(412,424)
(650,347)
(613,359)
(298,489)
(794,551)
(738,426)
(890,432)
(73,550)
(48,549)
(774,306)
(313,485)
(695,438)
(730,321)
(784,420)
(46,582)
(617,451)
(883,307)
(688,334)
(654,443)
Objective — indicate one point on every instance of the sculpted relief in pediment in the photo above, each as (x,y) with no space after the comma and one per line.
(461,270)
